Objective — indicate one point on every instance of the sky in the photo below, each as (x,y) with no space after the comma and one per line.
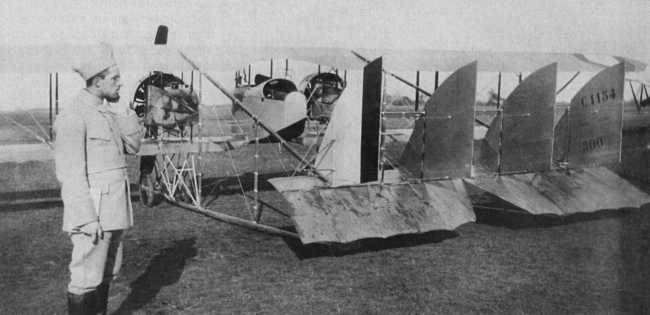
(595,26)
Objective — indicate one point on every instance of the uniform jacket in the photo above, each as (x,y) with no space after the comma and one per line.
(90,148)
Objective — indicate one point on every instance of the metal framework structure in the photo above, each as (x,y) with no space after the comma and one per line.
(176,172)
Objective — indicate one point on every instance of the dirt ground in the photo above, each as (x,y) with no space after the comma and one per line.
(181,262)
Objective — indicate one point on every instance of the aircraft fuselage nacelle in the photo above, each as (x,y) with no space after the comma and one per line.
(277,102)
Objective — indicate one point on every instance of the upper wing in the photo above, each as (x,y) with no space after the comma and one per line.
(494,61)
(60,58)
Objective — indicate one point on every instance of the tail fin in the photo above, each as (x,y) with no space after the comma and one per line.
(522,134)
(161,35)
(595,121)
(442,140)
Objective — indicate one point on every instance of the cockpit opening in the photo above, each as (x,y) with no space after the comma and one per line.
(278,89)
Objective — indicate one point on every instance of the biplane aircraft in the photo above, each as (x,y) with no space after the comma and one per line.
(354,187)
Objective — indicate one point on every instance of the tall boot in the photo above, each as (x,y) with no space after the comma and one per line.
(102,298)
(82,304)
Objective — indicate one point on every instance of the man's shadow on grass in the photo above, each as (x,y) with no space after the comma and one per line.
(164,269)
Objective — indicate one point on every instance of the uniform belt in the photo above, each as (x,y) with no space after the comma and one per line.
(108,176)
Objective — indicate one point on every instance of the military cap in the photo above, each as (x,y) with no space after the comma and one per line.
(95,60)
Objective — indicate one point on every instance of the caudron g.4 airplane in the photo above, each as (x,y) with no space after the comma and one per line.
(353,187)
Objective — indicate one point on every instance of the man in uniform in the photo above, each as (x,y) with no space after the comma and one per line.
(92,137)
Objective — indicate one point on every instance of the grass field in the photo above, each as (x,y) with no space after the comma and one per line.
(182,263)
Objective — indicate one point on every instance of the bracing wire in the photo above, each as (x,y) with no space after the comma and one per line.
(232,162)
(38,124)
(23,127)
(393,165)
(311,147)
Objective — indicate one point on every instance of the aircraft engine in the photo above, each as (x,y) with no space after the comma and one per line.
(321,90)
(164,100)
(171,106)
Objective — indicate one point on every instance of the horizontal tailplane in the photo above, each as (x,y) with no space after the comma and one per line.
(564,192)
(345,214)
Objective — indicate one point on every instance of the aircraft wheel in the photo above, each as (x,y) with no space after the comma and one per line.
(181,195)
(149,186)
(148,192)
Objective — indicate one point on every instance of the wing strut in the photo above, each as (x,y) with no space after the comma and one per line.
(567,83)
(636,102)
(417,88)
